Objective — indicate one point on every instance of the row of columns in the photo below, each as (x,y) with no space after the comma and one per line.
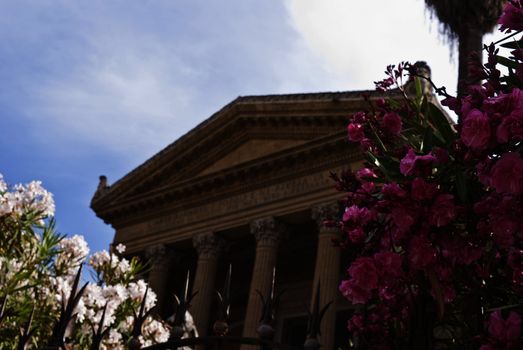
(268,233)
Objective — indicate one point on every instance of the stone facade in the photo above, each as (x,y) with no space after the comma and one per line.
(249,187)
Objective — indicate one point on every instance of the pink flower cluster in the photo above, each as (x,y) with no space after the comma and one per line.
(434,222)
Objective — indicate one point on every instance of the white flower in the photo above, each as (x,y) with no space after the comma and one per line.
(72,251)
(98,259)
(62,288)
(24,198)
(93,297)
(113,341)
(8,269)
(137,290)
(155,330)
(81,311)
(120,248)
(75,247)
(115,294)
(3,185)
(123,267)
(127,324)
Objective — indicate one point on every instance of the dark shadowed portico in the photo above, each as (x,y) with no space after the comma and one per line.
(249,187)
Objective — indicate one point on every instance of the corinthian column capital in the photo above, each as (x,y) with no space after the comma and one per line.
(159,256)
(325,212)
(267,231)
(208,245)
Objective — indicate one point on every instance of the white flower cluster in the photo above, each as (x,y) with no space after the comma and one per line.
(73,250)
(8,268)
(40,269)
(105,262)
(31,197)
(154,332)
(95,298)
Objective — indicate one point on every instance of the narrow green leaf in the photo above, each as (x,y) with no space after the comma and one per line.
(513,44)
(441,123)
(507,62)
(428,141)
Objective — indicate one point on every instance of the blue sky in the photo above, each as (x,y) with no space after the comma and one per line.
(95,87)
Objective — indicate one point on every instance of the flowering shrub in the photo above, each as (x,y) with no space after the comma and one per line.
(37,270)
(434,222)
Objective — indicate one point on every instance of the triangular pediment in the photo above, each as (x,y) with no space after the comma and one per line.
(247,133)
(248,151)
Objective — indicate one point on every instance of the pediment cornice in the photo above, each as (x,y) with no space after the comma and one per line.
(322,154)
(300,116)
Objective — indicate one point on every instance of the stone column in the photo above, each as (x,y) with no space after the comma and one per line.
(267,232)
(160,258)
(327,270)
(209,247)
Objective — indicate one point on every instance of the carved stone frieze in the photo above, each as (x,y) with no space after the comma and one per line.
(325,212)
(267,231)
(242,201)
(208,245)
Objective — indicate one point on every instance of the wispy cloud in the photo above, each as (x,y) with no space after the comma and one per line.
(120,98)
(128,78)
(358,39)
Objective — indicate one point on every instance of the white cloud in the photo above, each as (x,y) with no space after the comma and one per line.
(123,98)
(359,39)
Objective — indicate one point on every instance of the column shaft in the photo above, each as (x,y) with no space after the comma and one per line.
(327,271)
(159,259)
(267,233)
(208,247)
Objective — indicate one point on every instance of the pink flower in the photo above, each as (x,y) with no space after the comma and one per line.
(511,127)
(506,175)
(359,117)
(420,189)
(388,264)
(421,253)
(505,331)
(392,190)
(402,218)
(356,132)
(364,273)
(413,164)
(357,235)
(353,292)
(452,103)
(503,104)
(442,210)
(475,132)
(356,323)
(357,215)
(365,174)
(512,17)
(391,123)
(364,279)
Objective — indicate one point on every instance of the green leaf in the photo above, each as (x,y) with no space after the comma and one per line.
(441,123)
(387,165)
(507,62)
(513,44)
(419,92)
(428,141)
(512,80)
